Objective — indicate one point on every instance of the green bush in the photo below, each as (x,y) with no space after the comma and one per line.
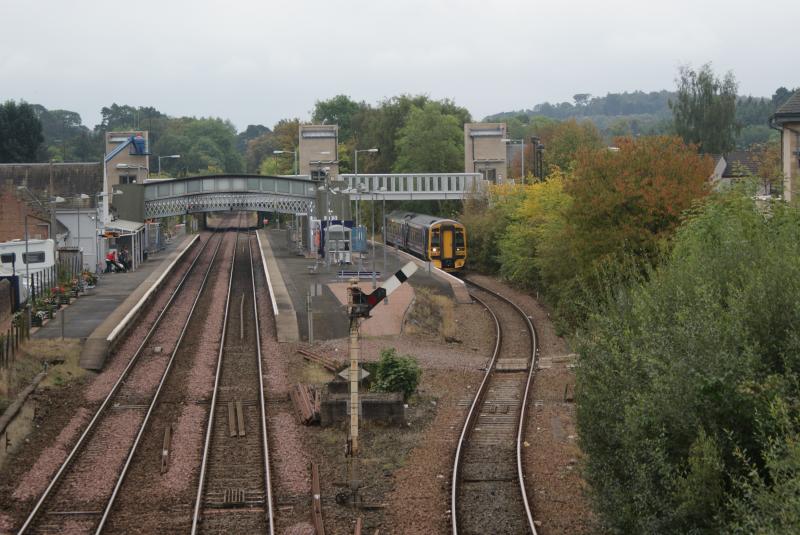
(486,221)
(689,383)
(396,373)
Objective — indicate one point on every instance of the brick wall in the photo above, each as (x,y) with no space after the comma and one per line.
(12,216)
(68,179)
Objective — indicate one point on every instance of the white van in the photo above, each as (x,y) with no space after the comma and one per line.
(41,255)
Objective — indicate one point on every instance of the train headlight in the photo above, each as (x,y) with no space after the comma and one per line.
(435,250)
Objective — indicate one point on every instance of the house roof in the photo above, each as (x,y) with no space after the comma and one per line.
(740,163)
(789,110)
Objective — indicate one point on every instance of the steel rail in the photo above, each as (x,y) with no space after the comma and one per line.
(154,401)
(114,389)
(479,398)
(262,401)
(210,427)
(479,395)
(212,409)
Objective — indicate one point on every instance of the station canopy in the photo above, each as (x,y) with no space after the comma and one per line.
(125,227)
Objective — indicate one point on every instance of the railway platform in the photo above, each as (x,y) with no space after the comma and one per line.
(293,276)
(111,305)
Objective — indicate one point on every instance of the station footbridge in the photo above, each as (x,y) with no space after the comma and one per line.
(293,194)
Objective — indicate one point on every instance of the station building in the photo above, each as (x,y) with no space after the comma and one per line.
(318,150)
(787,120)
(485,150)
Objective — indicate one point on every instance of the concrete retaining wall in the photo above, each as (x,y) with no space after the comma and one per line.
(387,408)
(17,420)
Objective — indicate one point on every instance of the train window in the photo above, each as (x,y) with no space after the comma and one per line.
(435,238)
(36,257)
(459,237)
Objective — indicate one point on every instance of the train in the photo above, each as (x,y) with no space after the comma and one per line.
(438,240)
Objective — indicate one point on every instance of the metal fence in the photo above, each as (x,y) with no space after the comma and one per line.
(155,239)
(10,340)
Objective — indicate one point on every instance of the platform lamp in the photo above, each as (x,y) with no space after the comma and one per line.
(171,156)
(522,155)
(383,191)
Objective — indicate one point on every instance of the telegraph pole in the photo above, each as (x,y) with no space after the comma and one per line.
(360,305)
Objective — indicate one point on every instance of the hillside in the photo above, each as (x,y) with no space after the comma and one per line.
(638,113)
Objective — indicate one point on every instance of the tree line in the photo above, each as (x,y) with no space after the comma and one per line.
(639,113)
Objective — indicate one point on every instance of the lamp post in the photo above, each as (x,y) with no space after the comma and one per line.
(294,152)
(355,173)
(374,277)
(383,232)
(172,156)
(522,155)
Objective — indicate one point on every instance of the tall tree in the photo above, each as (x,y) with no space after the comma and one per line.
(430,141)
(206,145)
(20,132)
(339,110)
(250,133)
(259,149)
(704,109)
(563,140)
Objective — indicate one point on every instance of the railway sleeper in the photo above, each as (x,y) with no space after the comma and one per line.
(482,471)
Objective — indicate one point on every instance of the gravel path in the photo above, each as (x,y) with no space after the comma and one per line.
(420,501)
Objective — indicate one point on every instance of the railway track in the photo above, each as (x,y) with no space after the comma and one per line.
(234,494)
(81,493)
(488,490)
(155,492)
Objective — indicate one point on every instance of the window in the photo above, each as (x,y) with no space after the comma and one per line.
(36,257)
(127,179)
(435,237)
(459,238)
(489,174)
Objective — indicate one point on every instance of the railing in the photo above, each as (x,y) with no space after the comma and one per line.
(413,185)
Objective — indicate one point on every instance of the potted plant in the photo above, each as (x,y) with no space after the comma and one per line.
(89,279)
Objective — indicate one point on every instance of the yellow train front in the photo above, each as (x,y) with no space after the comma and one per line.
(440,241)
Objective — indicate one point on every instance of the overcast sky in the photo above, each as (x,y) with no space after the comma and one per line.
(260,61)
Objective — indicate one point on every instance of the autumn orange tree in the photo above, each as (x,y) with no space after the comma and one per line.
(628,199)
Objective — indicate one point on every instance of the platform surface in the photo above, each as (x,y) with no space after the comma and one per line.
(330,313)
(95,316)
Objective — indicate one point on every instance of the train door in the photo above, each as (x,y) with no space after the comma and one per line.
(448,251)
